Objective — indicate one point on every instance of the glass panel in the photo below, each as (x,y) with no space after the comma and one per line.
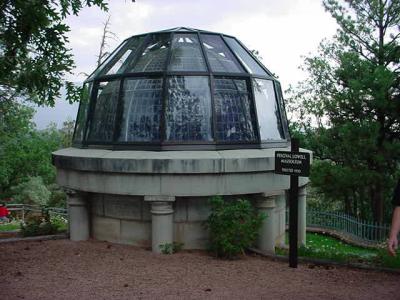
(186,54)
(245,58)
(142,110)
(233,114)
(188,116)
(269,120)
(220,57)
(155,54)
(102,123)
(124,57)
(109,58)
(82,112)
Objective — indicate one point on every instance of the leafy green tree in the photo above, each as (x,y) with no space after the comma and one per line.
(31,191)
(24,151)
(34,57)
(15,124)
(15,119)
(349,107)
(58,198)
(67,132)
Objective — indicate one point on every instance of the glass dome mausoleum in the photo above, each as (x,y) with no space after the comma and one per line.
(181,89)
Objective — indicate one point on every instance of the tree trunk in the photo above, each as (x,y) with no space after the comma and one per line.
(347,204)
(355,206)
(377,202)
(363,205)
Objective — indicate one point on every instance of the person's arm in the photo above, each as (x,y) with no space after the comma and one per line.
(394,231)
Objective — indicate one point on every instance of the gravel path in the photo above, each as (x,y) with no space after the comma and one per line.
(62,269)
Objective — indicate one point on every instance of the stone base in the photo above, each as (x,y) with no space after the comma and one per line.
(146,198)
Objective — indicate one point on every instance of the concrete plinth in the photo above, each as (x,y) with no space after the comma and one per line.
(162,218)
(302,217)
(266,239)
(78,216)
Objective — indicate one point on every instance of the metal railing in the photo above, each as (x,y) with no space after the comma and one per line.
(351,227)
(22,210)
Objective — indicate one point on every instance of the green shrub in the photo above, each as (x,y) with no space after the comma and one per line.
(32,191)
(58,198)
(233,226)
(60,222)
(39,225)
(170,248)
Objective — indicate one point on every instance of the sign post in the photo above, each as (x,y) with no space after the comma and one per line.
(295,164)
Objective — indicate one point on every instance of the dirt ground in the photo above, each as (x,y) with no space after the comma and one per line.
(62,269)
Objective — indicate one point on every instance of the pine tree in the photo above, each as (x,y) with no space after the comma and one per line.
(349,106)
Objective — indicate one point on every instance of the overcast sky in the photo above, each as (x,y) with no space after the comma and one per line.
(281,30)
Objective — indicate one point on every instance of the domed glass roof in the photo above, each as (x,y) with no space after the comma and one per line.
(181,89)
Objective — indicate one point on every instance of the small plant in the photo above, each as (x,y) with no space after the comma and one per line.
(170,248)
(60,222)
(39,225)
(233,226)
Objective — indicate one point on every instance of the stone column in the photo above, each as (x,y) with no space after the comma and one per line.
(162,226)
(302,216)
(280,212)
(266,238)
(78,216)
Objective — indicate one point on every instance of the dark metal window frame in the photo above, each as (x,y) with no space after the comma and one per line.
(183,145)
(74,141)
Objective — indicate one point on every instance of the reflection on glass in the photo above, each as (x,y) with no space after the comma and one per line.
(106,62)
(188,115)
(142,110)
(245,58)
(232,106)
(102,124)
(269,120)
(154,55)
(82,112)
(186,54)
(124,57)
(220,57)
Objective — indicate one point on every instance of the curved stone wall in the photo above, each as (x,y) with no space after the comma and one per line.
(127,220)
(174,173)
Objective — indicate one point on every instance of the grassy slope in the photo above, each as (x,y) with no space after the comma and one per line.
(326,247)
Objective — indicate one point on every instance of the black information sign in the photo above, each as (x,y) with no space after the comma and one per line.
(295,164)
(292,163)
